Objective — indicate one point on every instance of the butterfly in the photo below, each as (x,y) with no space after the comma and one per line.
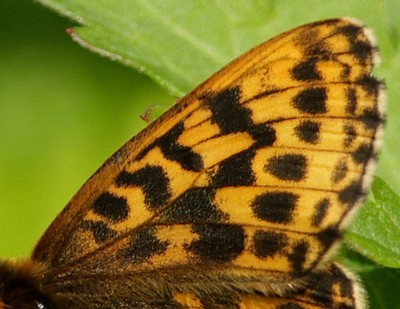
(234,198)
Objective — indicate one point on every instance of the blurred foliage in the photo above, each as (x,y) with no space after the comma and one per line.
(375,231)
(63,111)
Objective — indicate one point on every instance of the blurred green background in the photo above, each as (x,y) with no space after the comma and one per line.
(63,111)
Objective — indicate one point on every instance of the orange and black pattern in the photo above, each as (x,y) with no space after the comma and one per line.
(235,198)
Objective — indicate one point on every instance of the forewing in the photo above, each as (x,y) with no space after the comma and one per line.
(246,184)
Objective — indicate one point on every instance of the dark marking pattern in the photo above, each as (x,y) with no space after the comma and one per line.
(173,151)
(235,171)
(275,207)
(290,167)
(101,232)
(352,101)
(114,208)
(311,101)
(328,283)
(351,194)
(298,257)
(308,131)
(370,84)
(143,245)
(339,171)
(263,134)
(321,211)
(318,49)
(152,180)
(218,242)
(225,108)
(351,135)
(370,118)
(328,236)
(363,154)
(184,155)
(306,71)
(267,244)
(232,117)
(195,205)
(360,49)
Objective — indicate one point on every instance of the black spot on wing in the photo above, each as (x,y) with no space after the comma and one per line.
(370,84)
(184,155)
(370,118)
(290,167)
(306,71)
(228,113)
(114,208)
(351,101)
(351,135)
(339,171)
(311,101)
(363,154)
(328,236)
(321,210)
(360,49)
(351,31)
(173,151)
(308,131)
(195,205)
(351,194)
(318,50)
(101,231)
(275,207)
(143,245)
(267,244)
(217,242)
(298,257)
(263,135)
(235,171)
(152,180)
(232,117)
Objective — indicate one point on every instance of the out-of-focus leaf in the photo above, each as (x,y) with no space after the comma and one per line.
(376,230)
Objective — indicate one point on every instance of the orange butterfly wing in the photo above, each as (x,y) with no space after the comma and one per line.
(244,186)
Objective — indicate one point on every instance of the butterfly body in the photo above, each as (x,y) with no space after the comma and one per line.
(234,198)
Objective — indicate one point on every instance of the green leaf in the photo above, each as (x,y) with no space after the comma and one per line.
(180,44)
(381,283)
(376,230)
(171,43)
